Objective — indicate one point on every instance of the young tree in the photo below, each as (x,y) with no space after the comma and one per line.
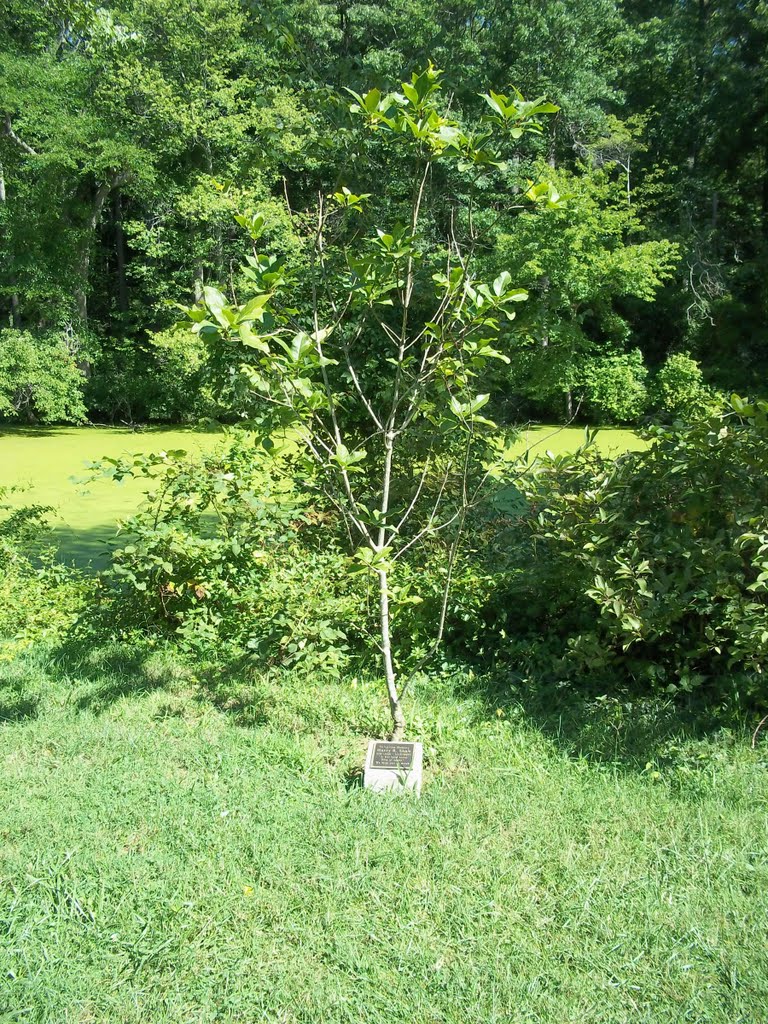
(374,361)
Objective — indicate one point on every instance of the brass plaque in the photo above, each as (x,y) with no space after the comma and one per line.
(396,756)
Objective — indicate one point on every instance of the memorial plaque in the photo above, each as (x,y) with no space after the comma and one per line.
(393,766)
(392,755)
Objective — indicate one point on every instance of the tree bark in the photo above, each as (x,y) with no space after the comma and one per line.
(122,286)
(395,707)
(84,262)
(15,313)
(199,282)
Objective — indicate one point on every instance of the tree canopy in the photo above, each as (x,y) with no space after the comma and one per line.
(132,132)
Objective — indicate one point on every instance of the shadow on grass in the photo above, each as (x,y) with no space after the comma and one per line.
(17,704)
(231,688)
(622,727)
(114,671)
(625,729)
(353,779)
(103,672)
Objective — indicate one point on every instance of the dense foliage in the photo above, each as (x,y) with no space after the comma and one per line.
(653,567)
(40,381)
(225,554)
(132,130)
(39,598)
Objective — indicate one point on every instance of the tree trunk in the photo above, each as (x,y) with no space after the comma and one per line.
(395,707)
(545,311)
(84,262)
(199,282)
(15,314)
(122,286)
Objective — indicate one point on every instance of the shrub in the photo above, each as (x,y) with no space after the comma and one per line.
(162,379)
(39,379)
(669,545)
(39,599)
(224,551)
(614,387)
(679,390)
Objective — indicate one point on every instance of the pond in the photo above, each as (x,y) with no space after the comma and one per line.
(50,463)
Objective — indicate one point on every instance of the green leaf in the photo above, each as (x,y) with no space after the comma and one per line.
(252,340)
(214,299)
(347,459)
(254,308)
(502,283)
(372,100)
(478,403)
(496,102)
(410,93)
(300,346)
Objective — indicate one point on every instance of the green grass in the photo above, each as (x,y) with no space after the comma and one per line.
(48,461)
(188,845)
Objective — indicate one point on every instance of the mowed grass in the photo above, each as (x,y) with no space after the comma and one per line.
(48,462)
(188,845)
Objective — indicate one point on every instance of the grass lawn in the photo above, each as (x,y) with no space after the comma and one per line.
(48,461)
(188,845)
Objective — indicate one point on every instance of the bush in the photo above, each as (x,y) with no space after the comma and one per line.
(39,599)
(614,387)
(668,546)
(679,390)
(39,379)
(161,380)
(224,551)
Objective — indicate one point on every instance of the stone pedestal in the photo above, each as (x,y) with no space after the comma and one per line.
(393,766)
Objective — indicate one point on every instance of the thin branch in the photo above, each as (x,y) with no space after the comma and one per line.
(407,513)
(756,733)
(355,380)
(11,134)
(432,516)
(287,200)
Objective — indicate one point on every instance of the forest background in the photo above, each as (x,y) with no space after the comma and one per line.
(132,132)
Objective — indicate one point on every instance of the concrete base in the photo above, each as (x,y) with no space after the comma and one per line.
(389,768)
